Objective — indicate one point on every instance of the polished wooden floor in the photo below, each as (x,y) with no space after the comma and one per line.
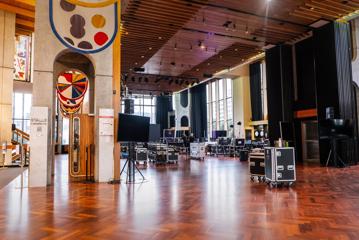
(212,199)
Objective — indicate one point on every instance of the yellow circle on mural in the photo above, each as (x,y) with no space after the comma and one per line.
(98,21)
(92,3)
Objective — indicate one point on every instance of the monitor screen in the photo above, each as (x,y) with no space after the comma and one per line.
(133,128)
(218,134)
(240,142)
(155,133)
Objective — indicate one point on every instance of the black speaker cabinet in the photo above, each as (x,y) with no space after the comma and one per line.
(129,106)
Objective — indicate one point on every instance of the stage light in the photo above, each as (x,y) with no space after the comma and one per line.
(146,79)
(133,79)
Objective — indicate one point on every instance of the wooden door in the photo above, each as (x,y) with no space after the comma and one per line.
(82,142)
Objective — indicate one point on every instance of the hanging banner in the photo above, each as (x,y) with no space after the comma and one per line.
(84,26)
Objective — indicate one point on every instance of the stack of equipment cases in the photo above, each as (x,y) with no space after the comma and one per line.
(198,150)
(141,156)
(280,166)
(157,153)
(257,165)
(172,155)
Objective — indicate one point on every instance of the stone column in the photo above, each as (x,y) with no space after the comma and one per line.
(7,53)
(242,111)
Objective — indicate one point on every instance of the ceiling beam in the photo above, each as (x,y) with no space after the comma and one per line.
(17,10)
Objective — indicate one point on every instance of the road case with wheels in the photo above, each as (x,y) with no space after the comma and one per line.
(256,165)
(280,166)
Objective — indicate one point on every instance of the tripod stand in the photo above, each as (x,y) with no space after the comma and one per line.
(131,165)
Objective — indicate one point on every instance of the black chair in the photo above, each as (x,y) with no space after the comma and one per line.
(336,131)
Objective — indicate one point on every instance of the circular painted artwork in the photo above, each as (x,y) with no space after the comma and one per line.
(85,26)
(72,85)
(69,102)
(69,110)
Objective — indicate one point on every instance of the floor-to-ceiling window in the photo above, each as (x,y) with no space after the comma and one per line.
(220,105)
(21,111)
(145,105)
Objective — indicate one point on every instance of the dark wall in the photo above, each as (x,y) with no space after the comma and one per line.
(305,70)
(279,72)
(256,91)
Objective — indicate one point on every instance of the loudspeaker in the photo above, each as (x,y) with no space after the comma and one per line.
(329,113)
(129,106)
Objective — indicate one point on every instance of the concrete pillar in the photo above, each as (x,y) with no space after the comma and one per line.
(7,53)
(242,111)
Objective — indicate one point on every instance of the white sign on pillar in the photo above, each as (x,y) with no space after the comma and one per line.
(106,144)
(39,162)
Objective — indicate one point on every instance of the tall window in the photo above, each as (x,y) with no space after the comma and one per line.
(220,106)
(145,105)
(21,111)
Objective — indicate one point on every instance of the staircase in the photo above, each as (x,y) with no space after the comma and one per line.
(20,147)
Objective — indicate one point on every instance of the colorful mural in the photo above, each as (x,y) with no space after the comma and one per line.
(22,58)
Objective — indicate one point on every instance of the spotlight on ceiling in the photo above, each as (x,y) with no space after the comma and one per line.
(201,45)
(146,79)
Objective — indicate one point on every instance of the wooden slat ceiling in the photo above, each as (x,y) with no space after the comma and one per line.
(164,37)
(25,14)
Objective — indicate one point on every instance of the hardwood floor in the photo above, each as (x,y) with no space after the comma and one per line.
(213,199)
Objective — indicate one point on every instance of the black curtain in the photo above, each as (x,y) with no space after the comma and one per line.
(279,88)
(199,111)
(334,85)
(163,107)
(256,91)
(184,98)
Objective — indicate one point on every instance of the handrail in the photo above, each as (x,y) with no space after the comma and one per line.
(22,134)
